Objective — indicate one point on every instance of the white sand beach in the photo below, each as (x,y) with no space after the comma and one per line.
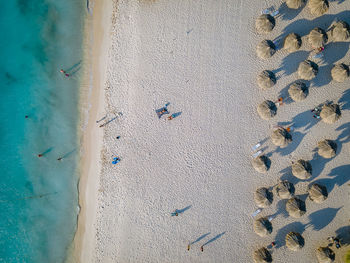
(200,57)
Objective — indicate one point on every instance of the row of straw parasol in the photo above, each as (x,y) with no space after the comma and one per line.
(339,32)
(301,169)
(294,241)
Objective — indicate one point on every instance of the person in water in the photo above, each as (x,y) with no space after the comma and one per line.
(65,73)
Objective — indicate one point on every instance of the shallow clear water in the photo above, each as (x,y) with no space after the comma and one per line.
(38,196)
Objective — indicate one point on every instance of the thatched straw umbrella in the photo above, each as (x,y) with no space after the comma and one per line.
(294,241)
(262,226)
(262,255)
(327,148)
(266,79)
(265,23)
(318,7)
(318,193)
(340,72)
(296,207)
(267,109)
(307,70)
(292,42)
(263,197)
(261,164)
(298,91)
(285,189)
(265,49)
(302,169)
(317,37)
(330,113)
(340,31)
(281,137)
(325,255)
(295,4)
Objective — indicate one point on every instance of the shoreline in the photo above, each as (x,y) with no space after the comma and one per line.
(97,35)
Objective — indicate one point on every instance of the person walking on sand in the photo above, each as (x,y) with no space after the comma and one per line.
(202,248)
(188,247)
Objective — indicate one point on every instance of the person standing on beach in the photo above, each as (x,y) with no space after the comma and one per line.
(202,248)
(188,247)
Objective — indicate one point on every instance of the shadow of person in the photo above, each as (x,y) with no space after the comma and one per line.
(282,232)
(297,138)
(321,218)
(180,211)
(199,238)
(291,62)
(345,100)
(214,238)
(287,13)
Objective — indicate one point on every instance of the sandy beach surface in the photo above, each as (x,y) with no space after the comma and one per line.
(199,56)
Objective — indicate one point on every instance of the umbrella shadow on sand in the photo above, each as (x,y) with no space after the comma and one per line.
(321,218)
(345,100)
(281,209)
(338,176)
(287,13)
(291,62)
(292,227)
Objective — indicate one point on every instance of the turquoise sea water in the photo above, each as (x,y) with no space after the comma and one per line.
(38,196)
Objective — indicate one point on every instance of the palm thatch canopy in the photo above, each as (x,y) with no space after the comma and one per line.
(325,255)
(262,226)
(263,197)
(285,189)
(265,49)
(302,169)
(266,79)
(340,31)
(330,113)
(294,241)
(281,137)
(327,148)
(265,23)
(298,91)
(318,193)
(318,7)
(317,37)
(296,207)
(307,70)
(267,109)
(295,4)
(340,72)
(292,42)
(261,164)
(262,255)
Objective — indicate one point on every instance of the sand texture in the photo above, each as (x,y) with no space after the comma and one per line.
(200,56)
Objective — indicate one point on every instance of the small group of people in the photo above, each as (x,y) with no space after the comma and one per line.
(164,110)
(64,73)
(335,241)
